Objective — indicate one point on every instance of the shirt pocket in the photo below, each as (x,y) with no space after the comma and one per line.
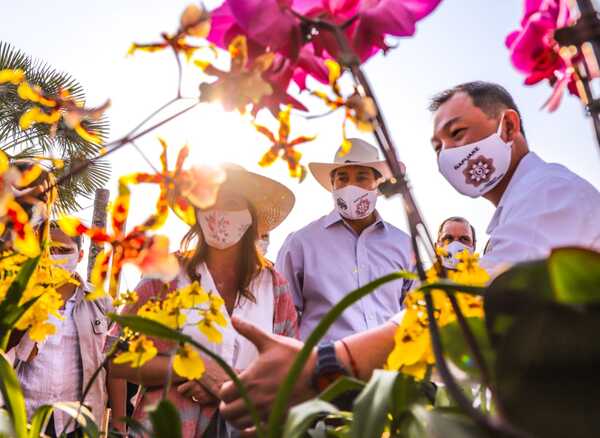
(99,325)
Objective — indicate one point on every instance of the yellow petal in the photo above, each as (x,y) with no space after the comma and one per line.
(188,363)
(335,70)
(15,76)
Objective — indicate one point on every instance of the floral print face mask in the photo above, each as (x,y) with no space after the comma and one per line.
(223,229)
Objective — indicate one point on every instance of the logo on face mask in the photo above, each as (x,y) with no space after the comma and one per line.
(362,206)
(478,170)
(341,204)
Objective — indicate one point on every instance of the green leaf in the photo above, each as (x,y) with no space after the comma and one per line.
(457,348)
(521,277)
(13,397)
(547,371)
(372,405)
(303,416)
(149,327)
(17,287)
(341,386)
(575,274)
(445,423)
(39,421)
(165,420)
(12,313)
(82,415)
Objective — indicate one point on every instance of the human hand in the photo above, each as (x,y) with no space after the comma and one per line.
(199,394)
(264,376)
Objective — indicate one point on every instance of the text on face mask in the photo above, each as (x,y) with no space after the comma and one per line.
(465,159)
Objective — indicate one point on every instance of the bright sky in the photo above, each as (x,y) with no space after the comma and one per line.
(461,41)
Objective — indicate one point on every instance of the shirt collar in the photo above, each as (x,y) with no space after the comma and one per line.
(527,164)
(334,217)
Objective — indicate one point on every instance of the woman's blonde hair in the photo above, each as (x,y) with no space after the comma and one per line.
(194,248)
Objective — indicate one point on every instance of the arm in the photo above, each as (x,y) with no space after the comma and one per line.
(117,401)
(276,355)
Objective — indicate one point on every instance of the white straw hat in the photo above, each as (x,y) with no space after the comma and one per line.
(271,200)
(361,154)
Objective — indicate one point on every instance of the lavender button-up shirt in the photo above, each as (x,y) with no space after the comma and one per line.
(327,259)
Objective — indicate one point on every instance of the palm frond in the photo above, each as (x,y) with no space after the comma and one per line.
(61,142)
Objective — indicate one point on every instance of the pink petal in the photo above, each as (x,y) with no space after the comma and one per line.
(378,18)
(554,100)
(221,22)
(269,22)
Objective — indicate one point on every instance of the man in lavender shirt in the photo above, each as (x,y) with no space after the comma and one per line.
(346,249)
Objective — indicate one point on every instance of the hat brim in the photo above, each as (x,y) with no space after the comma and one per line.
(272,201)
(322,171)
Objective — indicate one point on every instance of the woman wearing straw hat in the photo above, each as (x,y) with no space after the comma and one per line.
(220,252)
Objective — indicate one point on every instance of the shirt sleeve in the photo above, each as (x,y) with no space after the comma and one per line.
(285,317)
(290,263)
(531,228)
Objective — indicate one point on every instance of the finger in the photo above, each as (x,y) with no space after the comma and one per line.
(185,387)
(251,332)
(236,413)
(228,392)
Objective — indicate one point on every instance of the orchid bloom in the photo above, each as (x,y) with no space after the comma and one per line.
(137,247)
(51,109)
(358,109)
(194,22)
(534,51)
(283,147)
(183,189)
(243,84)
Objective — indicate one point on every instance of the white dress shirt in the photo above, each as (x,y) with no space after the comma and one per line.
(544,206)
(236,350)
(56,373)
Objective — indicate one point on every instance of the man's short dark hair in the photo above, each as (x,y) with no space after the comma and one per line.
(461,220)
(488,97)
(77,239)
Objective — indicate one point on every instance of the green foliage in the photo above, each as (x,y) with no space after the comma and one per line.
(13,397)
(304,415)
(543,317)
(165,421)
(41,139)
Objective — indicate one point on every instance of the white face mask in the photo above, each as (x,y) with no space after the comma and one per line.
(475,169)
(354,202)
(450,261)
(223,229)
(68,262)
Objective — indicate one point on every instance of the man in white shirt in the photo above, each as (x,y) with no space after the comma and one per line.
(482,151)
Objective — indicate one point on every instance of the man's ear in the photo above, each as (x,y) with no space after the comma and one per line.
(511,125)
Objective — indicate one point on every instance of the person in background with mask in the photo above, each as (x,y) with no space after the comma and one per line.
(346,249)
(482,151)
(455,235)
(60,367)
(221,253)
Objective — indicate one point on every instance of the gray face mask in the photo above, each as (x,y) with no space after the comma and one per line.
(450,261)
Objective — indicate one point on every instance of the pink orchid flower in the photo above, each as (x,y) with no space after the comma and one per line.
(534,51)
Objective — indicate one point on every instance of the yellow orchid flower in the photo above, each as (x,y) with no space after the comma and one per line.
(12,76)
(188,363)
(140,351)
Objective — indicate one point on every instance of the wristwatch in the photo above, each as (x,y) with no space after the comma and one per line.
(328,368)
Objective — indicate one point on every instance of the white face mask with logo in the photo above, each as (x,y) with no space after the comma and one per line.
(223,229)
(354,202)
(475,169)
(450,261)
(68,262)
